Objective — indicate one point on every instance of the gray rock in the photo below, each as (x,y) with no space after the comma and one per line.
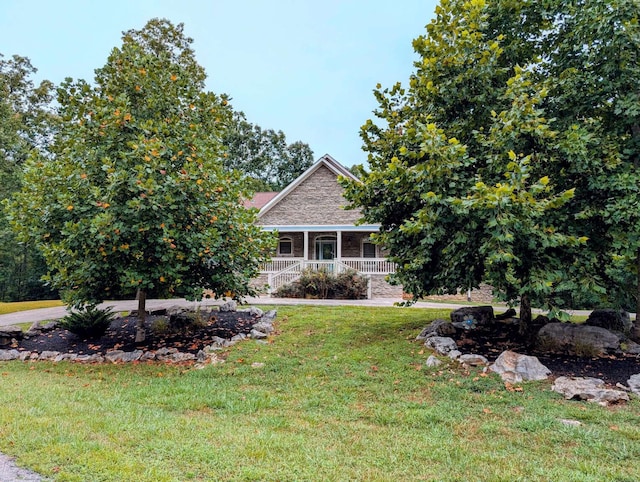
(48,355)
(269,316)
(264,327)
(438,327)
(630,347)
(239,337)
(114,356)
(473,360)
(166,351)
(515,368)
(454,354)
(65,357)
(230,305)
(254,311)
(483,315)
(440,344)
(201,356)
(634,333)
(7,355)
(587,388)
(609,319)
(634,383)
(131,356)
(10,334)
(181,357)
(95,358)
(581,340)
(148,356)
(432,361)
(26,355)
(257,335)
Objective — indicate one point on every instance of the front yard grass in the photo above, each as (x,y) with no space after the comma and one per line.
(343,395)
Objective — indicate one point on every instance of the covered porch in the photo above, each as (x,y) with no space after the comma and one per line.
(333,248)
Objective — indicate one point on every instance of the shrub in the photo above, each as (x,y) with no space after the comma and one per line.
(88,322)
(322,284)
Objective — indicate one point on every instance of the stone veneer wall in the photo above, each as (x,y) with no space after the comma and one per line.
(317,200)
(380,288)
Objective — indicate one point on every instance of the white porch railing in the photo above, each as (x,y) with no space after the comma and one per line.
(291,268)
(370,265)
(278,264)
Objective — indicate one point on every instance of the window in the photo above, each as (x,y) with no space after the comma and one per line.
(285,247)
(368,249)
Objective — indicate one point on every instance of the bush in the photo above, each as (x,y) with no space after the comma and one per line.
(88,322)
(322,284)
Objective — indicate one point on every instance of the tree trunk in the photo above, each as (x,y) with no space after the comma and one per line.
(142,313)
(525,316)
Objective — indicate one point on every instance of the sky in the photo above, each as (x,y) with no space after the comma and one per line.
(306,67)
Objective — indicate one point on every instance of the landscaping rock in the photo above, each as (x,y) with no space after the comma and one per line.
(432,361)
(582,340)
(438,327)
(10,333)
(269,316)
(440,344)
(257,335)
(264,327)
(630,347)
(634,333)
(634,383)
(515,368)
(254,311)
(609,319)
(114,356)
(587,388)
(230,305)
(483,315)
(473,360)
(48,355)
(454,354)
(7,355)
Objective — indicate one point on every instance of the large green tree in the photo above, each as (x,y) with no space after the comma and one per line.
(264,155)
(135,196)
(26,124)
(489,167)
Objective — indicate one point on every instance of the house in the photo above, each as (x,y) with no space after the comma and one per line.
(315,231)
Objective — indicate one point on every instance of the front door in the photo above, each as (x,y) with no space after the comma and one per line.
(325,249)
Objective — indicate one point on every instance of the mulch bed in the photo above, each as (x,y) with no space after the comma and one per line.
(493,340)
(121,336)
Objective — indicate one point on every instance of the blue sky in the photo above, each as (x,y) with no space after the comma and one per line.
(305,67)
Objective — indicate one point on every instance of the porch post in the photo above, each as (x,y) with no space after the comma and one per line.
(339,245)
(305,254)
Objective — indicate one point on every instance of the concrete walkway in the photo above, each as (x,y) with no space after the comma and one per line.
(45,314)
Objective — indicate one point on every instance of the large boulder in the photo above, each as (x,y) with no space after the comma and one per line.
(482,315)
(609,319)
(515,368)
(582,340)
(438,327)
(440,344)
(587,388)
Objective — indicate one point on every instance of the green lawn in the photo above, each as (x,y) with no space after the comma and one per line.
(27,305)
(343,395)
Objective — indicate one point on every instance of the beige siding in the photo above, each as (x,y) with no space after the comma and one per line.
(317,200)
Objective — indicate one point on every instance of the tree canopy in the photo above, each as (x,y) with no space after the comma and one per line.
(489,166)
(135,195)
(264,155)
(26,125)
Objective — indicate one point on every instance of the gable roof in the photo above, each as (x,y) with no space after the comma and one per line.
(260,199)
(327,161)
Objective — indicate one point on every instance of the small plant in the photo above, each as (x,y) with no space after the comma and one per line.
(160,326)
(88,321)
(322,284)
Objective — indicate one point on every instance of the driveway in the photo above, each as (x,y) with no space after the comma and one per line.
(44,314)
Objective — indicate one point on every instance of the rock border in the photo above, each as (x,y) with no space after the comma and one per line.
(260,330)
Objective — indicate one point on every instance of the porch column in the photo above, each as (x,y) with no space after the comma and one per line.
(339,246)
(305,254)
